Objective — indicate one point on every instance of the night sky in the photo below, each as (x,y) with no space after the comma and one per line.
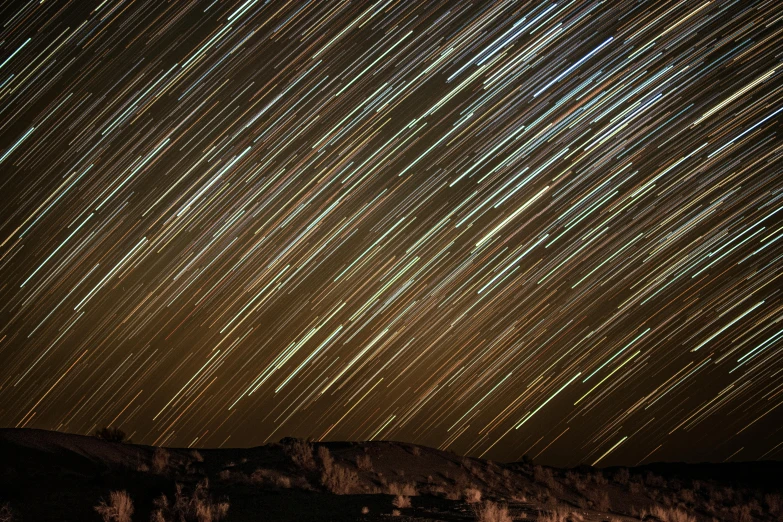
(500,228)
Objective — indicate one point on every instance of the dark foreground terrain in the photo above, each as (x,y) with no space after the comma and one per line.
(60,477)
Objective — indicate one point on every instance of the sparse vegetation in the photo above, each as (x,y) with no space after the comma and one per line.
(283,482)
(599,479)
(406,489)
(622,476)
(110,434)
(336,478)
(340,480)
(301,452)
(199,507)
(575,481)
(196,456)
(271,477)
(600,500)
(454,485)
(401,501)
(160,460)
(774,503)
(546,477)
(742,513)
(6,513)
(472,495)
(118,509)
(327,462)
(364,462)
(492,512)
(556,515)
(671,515)
(655,481)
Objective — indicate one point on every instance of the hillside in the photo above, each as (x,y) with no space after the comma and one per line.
(61,477)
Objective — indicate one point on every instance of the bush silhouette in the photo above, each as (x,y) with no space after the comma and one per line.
(111,434)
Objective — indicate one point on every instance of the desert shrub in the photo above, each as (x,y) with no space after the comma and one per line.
(671,515)
(472,495)
(261,475)
(337,479)
(301,452)
(687,496)
(437,491)
(160,460)
(574,480)
(406,489)
(544,476)
(401,502)
(742,513)
(327,462)
(364,462)
(452,494)
(552,516)
(461,482)
(599,479)
(622,476)
(600,500)
(199,507)
(340,480)
(654,481)
(396,512)
(196,456)
(492,512)
(365,510)
(774,503)
(6,513)
(210,512)
(271,477)
(119,508)
(110,434)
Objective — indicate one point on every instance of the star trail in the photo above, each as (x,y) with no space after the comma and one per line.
(500,228)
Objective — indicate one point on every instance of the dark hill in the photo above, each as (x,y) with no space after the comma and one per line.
(60,477)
